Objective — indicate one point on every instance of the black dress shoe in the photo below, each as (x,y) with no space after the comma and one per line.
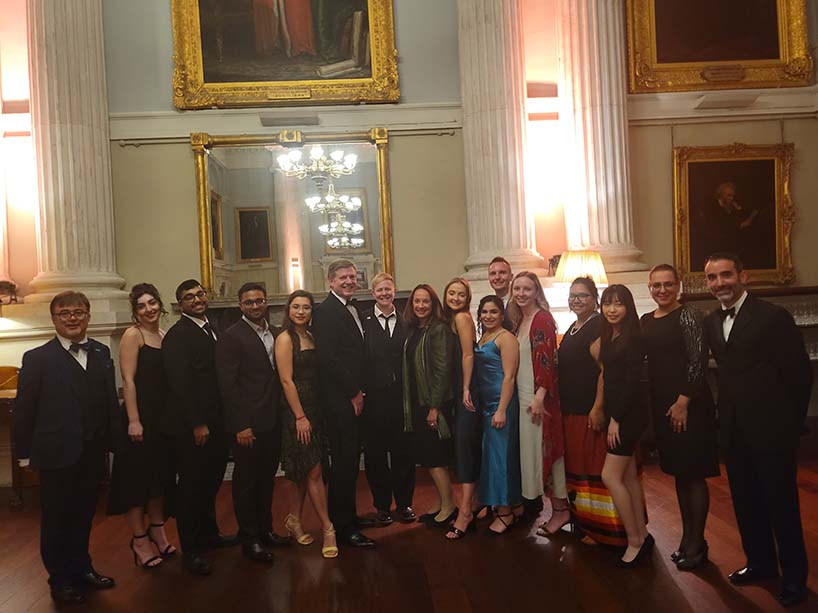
(405,515)
(383,518)
(220,541)
(92,579)
(271,539)
(67,595)
(256,553)
(365,522)
(444,523)
(792,594)
(356,539)
(749,574)
(196,565)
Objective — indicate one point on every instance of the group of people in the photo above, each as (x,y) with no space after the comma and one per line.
(500,408)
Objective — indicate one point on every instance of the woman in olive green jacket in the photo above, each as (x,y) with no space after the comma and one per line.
(428,396)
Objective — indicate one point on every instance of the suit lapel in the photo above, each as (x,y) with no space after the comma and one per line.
(255,341)
(742,319)
(349,317)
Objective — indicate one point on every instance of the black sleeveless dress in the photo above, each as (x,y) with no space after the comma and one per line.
(142,471)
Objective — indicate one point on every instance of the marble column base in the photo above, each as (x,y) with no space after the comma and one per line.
(95,285)
(620,258)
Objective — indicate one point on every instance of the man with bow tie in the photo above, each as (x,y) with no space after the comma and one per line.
(764,385)
(339,339)
(65,397)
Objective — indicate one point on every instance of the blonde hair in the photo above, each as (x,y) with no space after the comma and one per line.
(515,314)
(381,277)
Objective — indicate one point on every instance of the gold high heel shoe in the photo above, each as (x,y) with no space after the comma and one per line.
(330,551)
(293,526)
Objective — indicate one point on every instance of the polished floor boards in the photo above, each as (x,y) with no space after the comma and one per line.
(413,569)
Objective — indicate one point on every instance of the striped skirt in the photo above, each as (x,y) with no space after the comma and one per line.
(592,507)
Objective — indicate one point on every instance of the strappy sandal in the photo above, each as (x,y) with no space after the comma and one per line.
(329,551)
(542,529)
(167,552)
(148,564)
(458,533)
(293,526)
(508,525)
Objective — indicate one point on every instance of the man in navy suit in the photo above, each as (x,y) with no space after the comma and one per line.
(65,397)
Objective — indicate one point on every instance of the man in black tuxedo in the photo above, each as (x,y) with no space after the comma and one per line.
(339,339)
(195,417)
(65,398)
(250,390)
(764,383)
(382,419)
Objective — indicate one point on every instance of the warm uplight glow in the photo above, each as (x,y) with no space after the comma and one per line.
(296,277)
(575,264)
(546,172)
(19,169)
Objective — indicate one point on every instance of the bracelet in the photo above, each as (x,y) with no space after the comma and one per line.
(300,418)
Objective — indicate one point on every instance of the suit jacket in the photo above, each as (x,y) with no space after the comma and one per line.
(340,348)
(189,355)
(249,384)
(384,355)
(48,412)
(764,376)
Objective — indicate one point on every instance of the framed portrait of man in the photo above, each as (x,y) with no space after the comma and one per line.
(734,198)
(233,53)
(676,45)
(254,235)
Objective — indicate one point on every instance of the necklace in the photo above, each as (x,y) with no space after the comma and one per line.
(576,329)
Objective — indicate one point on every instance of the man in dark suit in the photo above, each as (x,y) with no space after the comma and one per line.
(66,395)
(339,339)
(250,390)
(764,383)
(195,416)
(500,280)
(382,418)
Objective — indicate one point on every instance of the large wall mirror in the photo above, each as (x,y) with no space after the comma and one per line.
(278,209)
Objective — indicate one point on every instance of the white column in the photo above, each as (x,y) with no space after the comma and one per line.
(591,35)
(69,115)
(492,87)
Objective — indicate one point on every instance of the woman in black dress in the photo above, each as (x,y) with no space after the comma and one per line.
(428,395)
(684,417)
(304,451)
(142,470)
(621,354)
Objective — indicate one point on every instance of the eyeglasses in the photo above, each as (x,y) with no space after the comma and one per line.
(201,295)
(69,315)
(580,297)
(659,286)
(256,302)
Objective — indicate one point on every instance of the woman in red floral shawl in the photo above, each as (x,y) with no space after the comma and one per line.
(541,440)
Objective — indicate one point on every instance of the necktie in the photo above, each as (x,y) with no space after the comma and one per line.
(75,347)
(386,319)
(725,312)
(209,330)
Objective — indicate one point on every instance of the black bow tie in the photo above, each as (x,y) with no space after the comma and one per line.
(725,312)
(75,347)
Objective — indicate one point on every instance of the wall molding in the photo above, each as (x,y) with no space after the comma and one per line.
(397,118)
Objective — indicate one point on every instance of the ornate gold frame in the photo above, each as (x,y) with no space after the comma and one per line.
(792,69)
(782,153)
(200,142)
(190,91)
(218,251)
(270,235)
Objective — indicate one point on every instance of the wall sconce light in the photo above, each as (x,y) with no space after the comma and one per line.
(296,276)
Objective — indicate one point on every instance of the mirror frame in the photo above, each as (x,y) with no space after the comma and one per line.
(201,142)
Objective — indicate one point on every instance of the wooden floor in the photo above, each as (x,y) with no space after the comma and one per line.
(414,569)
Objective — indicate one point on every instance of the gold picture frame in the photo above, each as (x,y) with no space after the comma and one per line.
(216,226)
(201,81)
(671,49)
(734,198)
(254,235)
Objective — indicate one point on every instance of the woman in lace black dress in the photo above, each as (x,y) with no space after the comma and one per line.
(142,472)
(684,416)
(303,444)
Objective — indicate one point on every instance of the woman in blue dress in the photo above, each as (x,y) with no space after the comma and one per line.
(496,359)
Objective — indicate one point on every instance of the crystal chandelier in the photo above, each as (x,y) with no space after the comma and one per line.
(317,165)
(332,202)
(341,233)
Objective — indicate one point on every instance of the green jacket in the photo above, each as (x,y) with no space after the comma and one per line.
(433,374)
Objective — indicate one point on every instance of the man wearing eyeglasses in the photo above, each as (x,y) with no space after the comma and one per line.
(250,389)
(195,417)
(65,395)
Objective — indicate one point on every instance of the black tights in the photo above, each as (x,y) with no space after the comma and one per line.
(694,503)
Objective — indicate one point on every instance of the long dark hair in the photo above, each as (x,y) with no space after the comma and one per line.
(139,290)
(629,328)
(498,302)
(409,316)
(287,323)
(448,312)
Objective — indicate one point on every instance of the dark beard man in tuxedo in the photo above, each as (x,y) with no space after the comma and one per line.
(65,398)
(764,383)
(195,417)
(339,340)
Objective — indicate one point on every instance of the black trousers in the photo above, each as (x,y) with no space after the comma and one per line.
(68,500)
(253,479)
(345,456)
(201,471)
(390,467)
(765,498)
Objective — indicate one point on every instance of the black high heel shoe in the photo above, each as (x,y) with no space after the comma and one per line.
(508,524)
(167,552)
(644,551)
(150,562)
(445,522)
(689,562)
(458,533)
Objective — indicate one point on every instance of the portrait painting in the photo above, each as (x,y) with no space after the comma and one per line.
(254,240)
(217,234)
(259,52)
(682,45)
(734,198)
